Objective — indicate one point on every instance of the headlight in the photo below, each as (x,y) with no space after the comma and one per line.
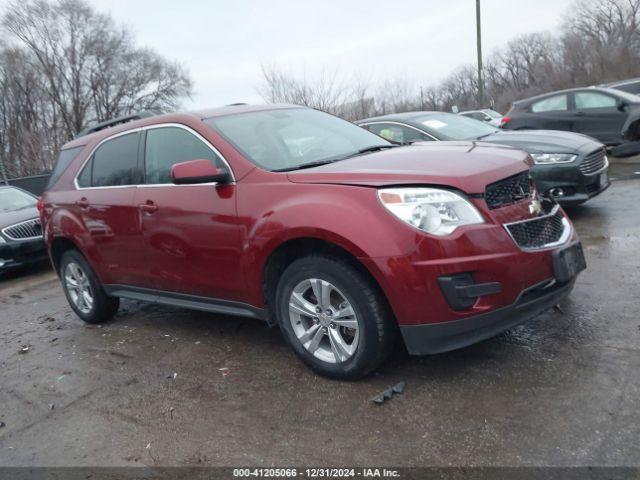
(435,211)
(2,240)
(547,158)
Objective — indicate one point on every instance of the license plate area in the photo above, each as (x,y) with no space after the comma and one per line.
(604,179)
(568,262)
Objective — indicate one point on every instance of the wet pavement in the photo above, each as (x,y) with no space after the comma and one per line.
(164,386)
(625,168)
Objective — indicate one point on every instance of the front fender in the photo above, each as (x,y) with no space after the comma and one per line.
(631,128)
(350,217)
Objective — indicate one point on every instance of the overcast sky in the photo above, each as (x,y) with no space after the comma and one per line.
(223,42)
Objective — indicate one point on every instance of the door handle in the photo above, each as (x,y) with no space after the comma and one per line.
(148,207)
(580,114)
(83,203)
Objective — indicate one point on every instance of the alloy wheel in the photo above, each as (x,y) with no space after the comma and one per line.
(78,287)
(323,320)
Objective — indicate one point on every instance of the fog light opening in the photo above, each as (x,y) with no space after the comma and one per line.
(556,192)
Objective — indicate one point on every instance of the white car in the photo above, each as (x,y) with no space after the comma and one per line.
(486,115)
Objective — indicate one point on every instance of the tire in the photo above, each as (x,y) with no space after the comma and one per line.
(627,149)
(74,267)
(374,332)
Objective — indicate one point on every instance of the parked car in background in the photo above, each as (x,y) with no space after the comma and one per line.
(311,223)
(21,239)
(608,115)
(631,85)
(485,115)
(571,168)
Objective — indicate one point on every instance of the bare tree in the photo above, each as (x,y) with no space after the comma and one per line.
(27,126)
(600,42)
(362,104)
(69,66)
(327,92)
(396,95)
(430,99)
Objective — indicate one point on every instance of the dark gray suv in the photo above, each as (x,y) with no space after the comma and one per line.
(606,114)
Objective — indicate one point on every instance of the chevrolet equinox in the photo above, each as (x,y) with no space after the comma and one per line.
(311,223)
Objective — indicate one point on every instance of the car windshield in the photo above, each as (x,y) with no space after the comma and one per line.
(447,126)
(291,138)
(629,97)
(492,113)
(12,199)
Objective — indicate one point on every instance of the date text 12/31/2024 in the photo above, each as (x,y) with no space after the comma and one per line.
(315,473)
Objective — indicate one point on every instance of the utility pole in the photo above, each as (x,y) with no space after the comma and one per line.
(479,41)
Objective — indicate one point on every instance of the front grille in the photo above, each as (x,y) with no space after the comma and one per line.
(594,162)
(540,232)
(24,231)
(508,191)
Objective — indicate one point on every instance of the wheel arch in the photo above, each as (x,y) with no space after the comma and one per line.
(295,248)
(631,131)
(59,246)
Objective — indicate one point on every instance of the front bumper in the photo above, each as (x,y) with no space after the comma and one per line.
(445,336)
(576,186)
(18,253)
(457,290)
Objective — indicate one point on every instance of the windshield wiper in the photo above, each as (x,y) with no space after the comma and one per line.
(375,148)
(485,135)
(317,163)
(371,149)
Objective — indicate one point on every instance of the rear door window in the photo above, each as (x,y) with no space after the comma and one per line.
(167,146)
(557,103)
(114,163)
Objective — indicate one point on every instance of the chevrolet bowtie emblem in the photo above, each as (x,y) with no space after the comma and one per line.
(535,207)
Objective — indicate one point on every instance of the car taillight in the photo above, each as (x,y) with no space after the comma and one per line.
(40,207)
(504,121)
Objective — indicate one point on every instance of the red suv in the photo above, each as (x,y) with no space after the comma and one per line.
(310,223)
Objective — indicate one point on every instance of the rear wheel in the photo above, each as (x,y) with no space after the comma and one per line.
(84,291)
(334,317)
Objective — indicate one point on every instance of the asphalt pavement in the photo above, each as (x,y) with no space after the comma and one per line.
(166,386)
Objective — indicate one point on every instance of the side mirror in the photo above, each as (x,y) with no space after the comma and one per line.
(198,171)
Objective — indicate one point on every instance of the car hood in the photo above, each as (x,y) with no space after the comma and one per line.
(11,218)
(467,166)
(545,141)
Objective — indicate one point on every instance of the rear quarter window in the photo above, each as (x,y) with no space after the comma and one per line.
(64,159)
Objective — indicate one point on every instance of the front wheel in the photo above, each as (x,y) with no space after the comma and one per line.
(84,291)
(334,317)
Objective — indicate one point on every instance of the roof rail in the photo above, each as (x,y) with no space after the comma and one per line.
(116,121)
